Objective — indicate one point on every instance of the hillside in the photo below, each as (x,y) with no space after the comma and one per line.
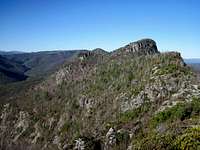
(24,66)
(41,63)
(11,71)
(132,98)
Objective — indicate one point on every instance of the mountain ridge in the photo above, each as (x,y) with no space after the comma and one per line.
(37,63)
(125,99)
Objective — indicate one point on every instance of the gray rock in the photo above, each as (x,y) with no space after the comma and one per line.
(110,137)
(141,47)
(80,144)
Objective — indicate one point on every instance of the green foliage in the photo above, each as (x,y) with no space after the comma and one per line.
(154,141)
(173,68)
(170,68)
(122,140)
(180,111)
(65,127)
(42,96)
(136,90)
(189,140)
(130,115)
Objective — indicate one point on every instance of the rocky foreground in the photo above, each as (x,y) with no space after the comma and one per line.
(132,98)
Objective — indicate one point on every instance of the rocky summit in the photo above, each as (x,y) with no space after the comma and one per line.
(132,98)
(141,47)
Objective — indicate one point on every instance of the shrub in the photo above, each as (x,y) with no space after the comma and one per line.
(132,114)
(128,115)
(170,68)
(122,140)
(154,141)
(189,140)
(180,111)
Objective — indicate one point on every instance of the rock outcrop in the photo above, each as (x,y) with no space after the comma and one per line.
(141,47)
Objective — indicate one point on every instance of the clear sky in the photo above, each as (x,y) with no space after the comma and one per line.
(33,25)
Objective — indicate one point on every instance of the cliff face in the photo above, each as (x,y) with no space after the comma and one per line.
(141,47)
(132,98)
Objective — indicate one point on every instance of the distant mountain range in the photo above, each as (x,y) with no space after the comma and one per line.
(17,66)
(192,60)
(194,63)
(10,52)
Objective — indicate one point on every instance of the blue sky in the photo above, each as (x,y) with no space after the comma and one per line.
(33,25)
